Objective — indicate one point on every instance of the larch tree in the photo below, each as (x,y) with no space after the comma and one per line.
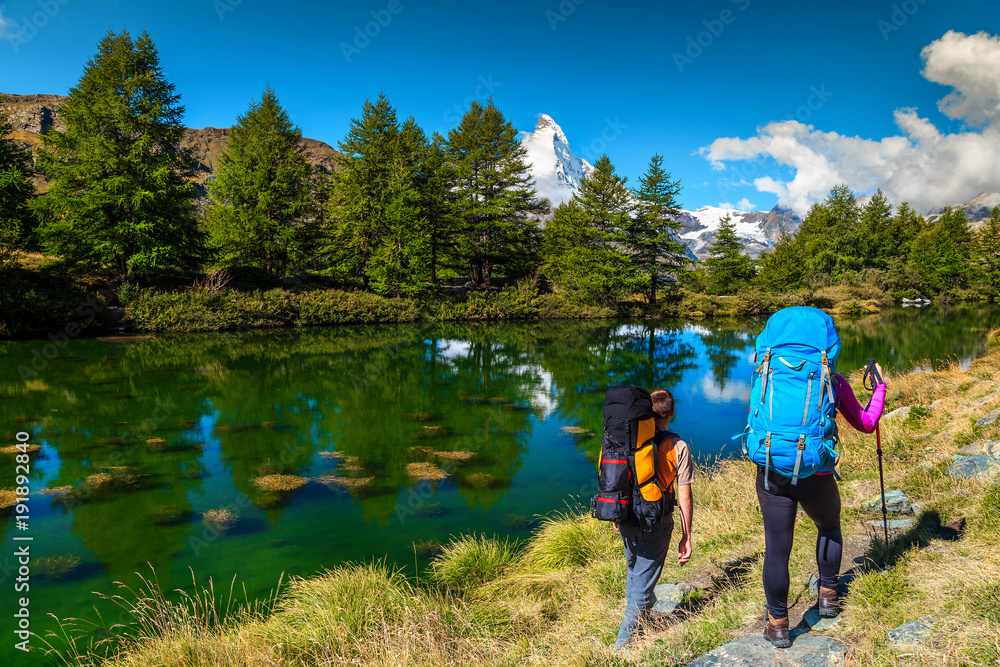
(121,197)
(496,200)
(16,193)
(652,236)
(261,203)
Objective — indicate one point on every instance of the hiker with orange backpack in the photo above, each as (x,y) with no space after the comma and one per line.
(791,435)
(645,470)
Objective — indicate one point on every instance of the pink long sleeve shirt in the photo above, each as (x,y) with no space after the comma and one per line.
(862,419)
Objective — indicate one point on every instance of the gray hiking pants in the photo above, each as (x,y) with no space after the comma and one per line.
(644,556)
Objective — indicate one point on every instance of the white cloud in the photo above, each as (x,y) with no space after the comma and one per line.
(744,205)
(921,166)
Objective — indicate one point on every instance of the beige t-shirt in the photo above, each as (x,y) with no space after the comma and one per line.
(677,457)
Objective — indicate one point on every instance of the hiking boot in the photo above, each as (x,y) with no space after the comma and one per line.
(828,603)
(776,632)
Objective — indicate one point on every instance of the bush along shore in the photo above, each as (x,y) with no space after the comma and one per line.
(931,598)
(37,304)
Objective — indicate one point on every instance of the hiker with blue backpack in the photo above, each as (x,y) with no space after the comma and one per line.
(791,435)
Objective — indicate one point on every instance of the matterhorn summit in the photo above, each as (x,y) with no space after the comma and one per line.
(556,170)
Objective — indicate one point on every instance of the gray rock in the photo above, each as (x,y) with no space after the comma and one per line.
(896,502)
(966,467)
(910,635)
(670,596)
(972,449)
(898,413)
(816,622)
(754,651)
(989,419)
(894,524)
(992,449)
(936,403)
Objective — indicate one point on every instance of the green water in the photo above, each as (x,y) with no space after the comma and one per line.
(223,410)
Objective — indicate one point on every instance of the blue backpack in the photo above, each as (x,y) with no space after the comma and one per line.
(793,401)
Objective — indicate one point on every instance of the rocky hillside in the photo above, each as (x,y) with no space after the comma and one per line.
(34,115)
(977,210)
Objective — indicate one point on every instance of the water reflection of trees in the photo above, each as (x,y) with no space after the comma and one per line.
(381,397)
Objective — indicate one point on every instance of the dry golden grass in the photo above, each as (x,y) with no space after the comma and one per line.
(425,471)
(276,482)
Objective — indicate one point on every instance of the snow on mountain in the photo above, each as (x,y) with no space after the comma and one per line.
(556,169)
(759,230)
(558,173)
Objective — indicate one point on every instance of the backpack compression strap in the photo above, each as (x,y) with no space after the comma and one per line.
(798,460)
(767,459)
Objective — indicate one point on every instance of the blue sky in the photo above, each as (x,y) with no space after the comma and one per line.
(627,79)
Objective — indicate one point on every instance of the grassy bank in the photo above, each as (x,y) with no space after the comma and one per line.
(557,599)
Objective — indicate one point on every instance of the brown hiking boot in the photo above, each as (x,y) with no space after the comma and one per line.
(828,603)
(776,632)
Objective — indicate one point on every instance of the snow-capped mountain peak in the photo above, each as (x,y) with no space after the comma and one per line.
(558,172)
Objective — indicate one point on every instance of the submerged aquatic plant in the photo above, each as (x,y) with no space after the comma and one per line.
(332,455)
(21,449)
(169,515)
(429,432)
(275,482)
(425,471)
(55,567)
(221,519)
(347,482)
(8,499)
(156,444)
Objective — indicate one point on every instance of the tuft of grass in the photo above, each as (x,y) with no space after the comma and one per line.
(568,540)
(471,561)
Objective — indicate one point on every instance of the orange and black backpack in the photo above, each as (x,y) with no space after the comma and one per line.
(629,490)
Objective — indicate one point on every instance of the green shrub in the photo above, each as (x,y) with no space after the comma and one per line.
(338,307)
(559,305)
(514,302)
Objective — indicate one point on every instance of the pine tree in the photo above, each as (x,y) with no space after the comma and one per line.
(568,253)
(261,197)
(16,193)
(374,211)
(652,236)
(120,195)
(729,268)
(784,267)
(496,198)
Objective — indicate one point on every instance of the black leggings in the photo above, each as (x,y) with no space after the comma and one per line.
(820,499)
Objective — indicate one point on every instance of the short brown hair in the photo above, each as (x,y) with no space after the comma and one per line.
(663,403)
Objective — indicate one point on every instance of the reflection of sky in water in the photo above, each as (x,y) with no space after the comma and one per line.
(733,391)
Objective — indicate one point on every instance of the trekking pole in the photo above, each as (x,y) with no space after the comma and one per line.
(871,373)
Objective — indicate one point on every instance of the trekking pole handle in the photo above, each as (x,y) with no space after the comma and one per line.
(872,378)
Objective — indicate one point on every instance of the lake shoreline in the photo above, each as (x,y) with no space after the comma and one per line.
(557,598)
(61,307)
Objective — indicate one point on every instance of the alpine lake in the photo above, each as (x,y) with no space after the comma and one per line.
(347,444)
